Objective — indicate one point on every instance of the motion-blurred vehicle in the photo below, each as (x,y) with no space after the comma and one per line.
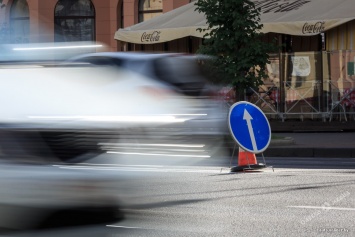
(183,74)
(37,196)
(181,71)
(55,115)
(52,115)
(70,107)
(34,53)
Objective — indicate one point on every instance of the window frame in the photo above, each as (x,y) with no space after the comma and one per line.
(60,18)
(141,12)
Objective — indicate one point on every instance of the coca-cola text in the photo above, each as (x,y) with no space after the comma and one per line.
(153,37)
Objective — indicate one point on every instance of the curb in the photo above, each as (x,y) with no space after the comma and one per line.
(310,152)
(287,148)
(284,141)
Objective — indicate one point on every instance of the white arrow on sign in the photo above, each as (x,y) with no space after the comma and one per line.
(248,118)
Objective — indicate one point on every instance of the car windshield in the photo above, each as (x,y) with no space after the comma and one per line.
(182,72)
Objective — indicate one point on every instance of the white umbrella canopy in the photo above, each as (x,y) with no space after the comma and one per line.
(304,17)
(181,22)
(293,17)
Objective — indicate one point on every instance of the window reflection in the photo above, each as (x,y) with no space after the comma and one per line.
(74,21)
(20,21)
(149,9)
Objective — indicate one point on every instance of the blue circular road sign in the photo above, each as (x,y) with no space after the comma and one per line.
(249,127)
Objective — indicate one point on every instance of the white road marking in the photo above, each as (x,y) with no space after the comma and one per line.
(316,172)
(165,169)
(157,154)
(165,145)
(125,227)
(209,169)
(115,165)
(325,208)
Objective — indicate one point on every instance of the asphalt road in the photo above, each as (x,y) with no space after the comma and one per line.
(184,197)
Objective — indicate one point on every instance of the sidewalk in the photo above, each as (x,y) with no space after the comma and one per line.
(322,144)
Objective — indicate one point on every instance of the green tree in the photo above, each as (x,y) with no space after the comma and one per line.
(234,41)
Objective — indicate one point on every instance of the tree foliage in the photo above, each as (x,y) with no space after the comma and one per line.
(234,41)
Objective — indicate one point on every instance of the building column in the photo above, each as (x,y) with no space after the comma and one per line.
(130,12)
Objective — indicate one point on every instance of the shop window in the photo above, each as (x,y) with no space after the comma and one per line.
(19,21)
(149,8)
(74,20)
(120,15)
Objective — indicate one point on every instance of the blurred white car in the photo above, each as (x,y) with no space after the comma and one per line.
(52,115)
(50,112)
(207,110)
(71,107)
(185,76)
(180,71)
(43,195)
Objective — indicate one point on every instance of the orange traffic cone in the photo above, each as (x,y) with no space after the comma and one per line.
(246,158)
(246,161)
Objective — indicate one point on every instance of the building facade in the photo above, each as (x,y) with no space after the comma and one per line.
(313,76)
(36,21)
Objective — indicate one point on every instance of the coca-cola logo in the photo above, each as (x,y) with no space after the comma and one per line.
(313,28)
(152,37)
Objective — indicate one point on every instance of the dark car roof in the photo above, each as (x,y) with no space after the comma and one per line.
(176,69)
